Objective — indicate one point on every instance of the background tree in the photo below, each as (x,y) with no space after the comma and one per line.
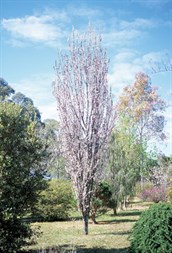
(56,162)
(141,105)
(18,98)
(123,163)
(28,106)
(86,112)
(21,174)
(158,175)
(5,89)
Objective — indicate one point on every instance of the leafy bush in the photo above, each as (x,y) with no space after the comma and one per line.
(152,233)
(21,174)
(13,234)
(101,200)
(154,194)
(56,201)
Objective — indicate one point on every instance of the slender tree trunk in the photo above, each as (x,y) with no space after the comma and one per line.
(115,207)
(93,214)
(142,164)
(141,182)
(124,204)
(93,217)
(121,206)
(85,217)
(115,211)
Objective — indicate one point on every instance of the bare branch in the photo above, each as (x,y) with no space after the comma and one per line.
(165,65)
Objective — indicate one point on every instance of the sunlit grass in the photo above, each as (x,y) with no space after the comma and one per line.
(109,235)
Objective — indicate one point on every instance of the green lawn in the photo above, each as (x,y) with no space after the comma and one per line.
(108,236)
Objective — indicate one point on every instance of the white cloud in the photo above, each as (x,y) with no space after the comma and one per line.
(49,111)
(120,37)
(123,69)
(56,14)
(155,56)
(127,63)
(122,75)
(51,26)
(39,89)
(120,32)
(125,55)
(168,114)
(33,29)
(17,43)
(84,11)
(48,27)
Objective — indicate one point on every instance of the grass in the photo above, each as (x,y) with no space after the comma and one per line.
(108,236)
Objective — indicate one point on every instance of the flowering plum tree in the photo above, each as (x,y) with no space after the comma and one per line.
(85,108)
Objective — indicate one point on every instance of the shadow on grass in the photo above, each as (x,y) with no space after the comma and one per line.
(102,250)
(135,212)
(118,233)
(115,221)
(128,213)
(79,249)
(136,202)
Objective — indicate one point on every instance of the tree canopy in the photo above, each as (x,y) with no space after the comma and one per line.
(21,173)
(143,107)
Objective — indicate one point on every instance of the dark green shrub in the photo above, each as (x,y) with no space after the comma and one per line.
(13,234)
(152,233)
(21,174)
(56,202)
(101,200)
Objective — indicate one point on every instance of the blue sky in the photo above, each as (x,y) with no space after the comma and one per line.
(133,31)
